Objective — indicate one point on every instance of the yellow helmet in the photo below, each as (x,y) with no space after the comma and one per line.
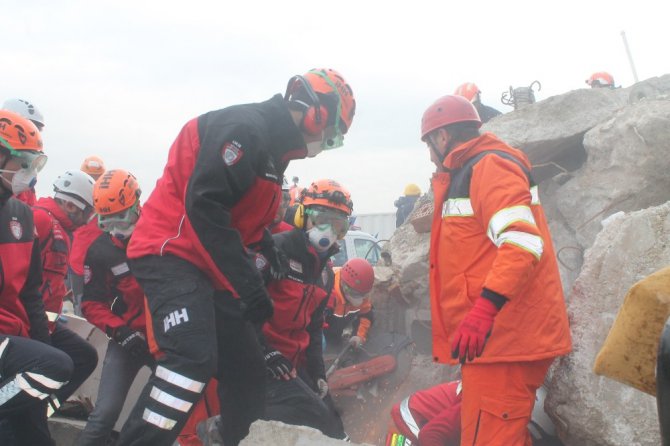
(412,190)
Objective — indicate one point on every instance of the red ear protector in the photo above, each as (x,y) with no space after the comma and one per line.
(315,119)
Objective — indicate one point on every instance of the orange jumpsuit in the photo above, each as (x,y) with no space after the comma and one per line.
(340,313)
(489,233)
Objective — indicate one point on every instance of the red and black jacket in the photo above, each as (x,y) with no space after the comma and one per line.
(81,240)
(300,299)
(52,226)
(21,307)
(112,296)
(220,189)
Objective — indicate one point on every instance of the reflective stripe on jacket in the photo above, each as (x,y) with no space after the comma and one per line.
(495,239)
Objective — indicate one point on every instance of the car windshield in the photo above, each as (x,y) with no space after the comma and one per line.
(341,257)
(367,249)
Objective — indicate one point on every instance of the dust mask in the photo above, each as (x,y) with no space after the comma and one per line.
(122,234)
(322,237)
(23,180)
(314,148)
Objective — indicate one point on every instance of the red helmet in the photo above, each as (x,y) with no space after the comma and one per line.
(468,90)
(601,79)
(358,275)
(329,82)
(447,110)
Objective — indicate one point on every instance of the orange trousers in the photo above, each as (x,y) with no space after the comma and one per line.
(498,400)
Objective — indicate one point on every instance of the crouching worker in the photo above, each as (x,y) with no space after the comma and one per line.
(349,314)
(293,336)
(432,417)
(113,301)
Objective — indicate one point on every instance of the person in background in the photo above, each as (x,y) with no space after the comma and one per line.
(473,94)
(28,111)
(83,237)
(349,309)
(497,305)
(601,79)
(279,224)
(113,301)
(219,192)
(294,191)
(31,370)
(55,218)
(405,203)
(94,166)
(292,338)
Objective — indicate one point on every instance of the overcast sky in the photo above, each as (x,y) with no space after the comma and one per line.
(119,79)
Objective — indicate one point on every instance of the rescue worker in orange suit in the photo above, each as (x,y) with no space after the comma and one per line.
(55,218)
(31,370)
(292,338)
(27,110)
(83,237)
(473,94)
(349,309)
(113,301)
(219,192)
(496,298)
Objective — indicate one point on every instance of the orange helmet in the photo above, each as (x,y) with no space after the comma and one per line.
(93,165)
(600,79)
(115,191)
(468,90)
(447,110)
(329,82)
(329,194)
(18,133)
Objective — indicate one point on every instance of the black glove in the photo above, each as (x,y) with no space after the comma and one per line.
(270,261)
(278,366)
(257,306)
(133,342)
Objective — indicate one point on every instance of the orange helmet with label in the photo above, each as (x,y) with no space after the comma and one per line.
(468,90)
(18,133)
(447,110)
(329,194)
(115,191)
(601,79)
(93,165)
(329,82)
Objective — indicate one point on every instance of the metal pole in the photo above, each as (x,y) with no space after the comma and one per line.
(630,56)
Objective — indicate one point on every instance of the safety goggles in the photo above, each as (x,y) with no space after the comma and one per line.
(34,161)
(121,221)
(352,293)
(333,137)
(321,218)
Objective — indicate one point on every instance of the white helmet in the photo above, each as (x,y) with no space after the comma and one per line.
(76,187)
(25,109)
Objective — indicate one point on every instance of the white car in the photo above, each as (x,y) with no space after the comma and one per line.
(358,244)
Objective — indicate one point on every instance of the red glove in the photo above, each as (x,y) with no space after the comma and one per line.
(474,330)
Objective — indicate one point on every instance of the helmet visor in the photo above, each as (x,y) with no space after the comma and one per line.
(120,221)
(337,220)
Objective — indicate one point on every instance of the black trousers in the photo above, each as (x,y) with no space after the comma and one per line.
(294,402)
(84,357)
(30,373)
(201,335)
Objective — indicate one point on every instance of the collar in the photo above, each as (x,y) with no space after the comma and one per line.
(287,142)
(487,141)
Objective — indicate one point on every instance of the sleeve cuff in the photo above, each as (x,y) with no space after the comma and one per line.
(497,299)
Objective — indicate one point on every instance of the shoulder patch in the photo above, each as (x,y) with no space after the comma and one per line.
(231,152)
(16,228)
